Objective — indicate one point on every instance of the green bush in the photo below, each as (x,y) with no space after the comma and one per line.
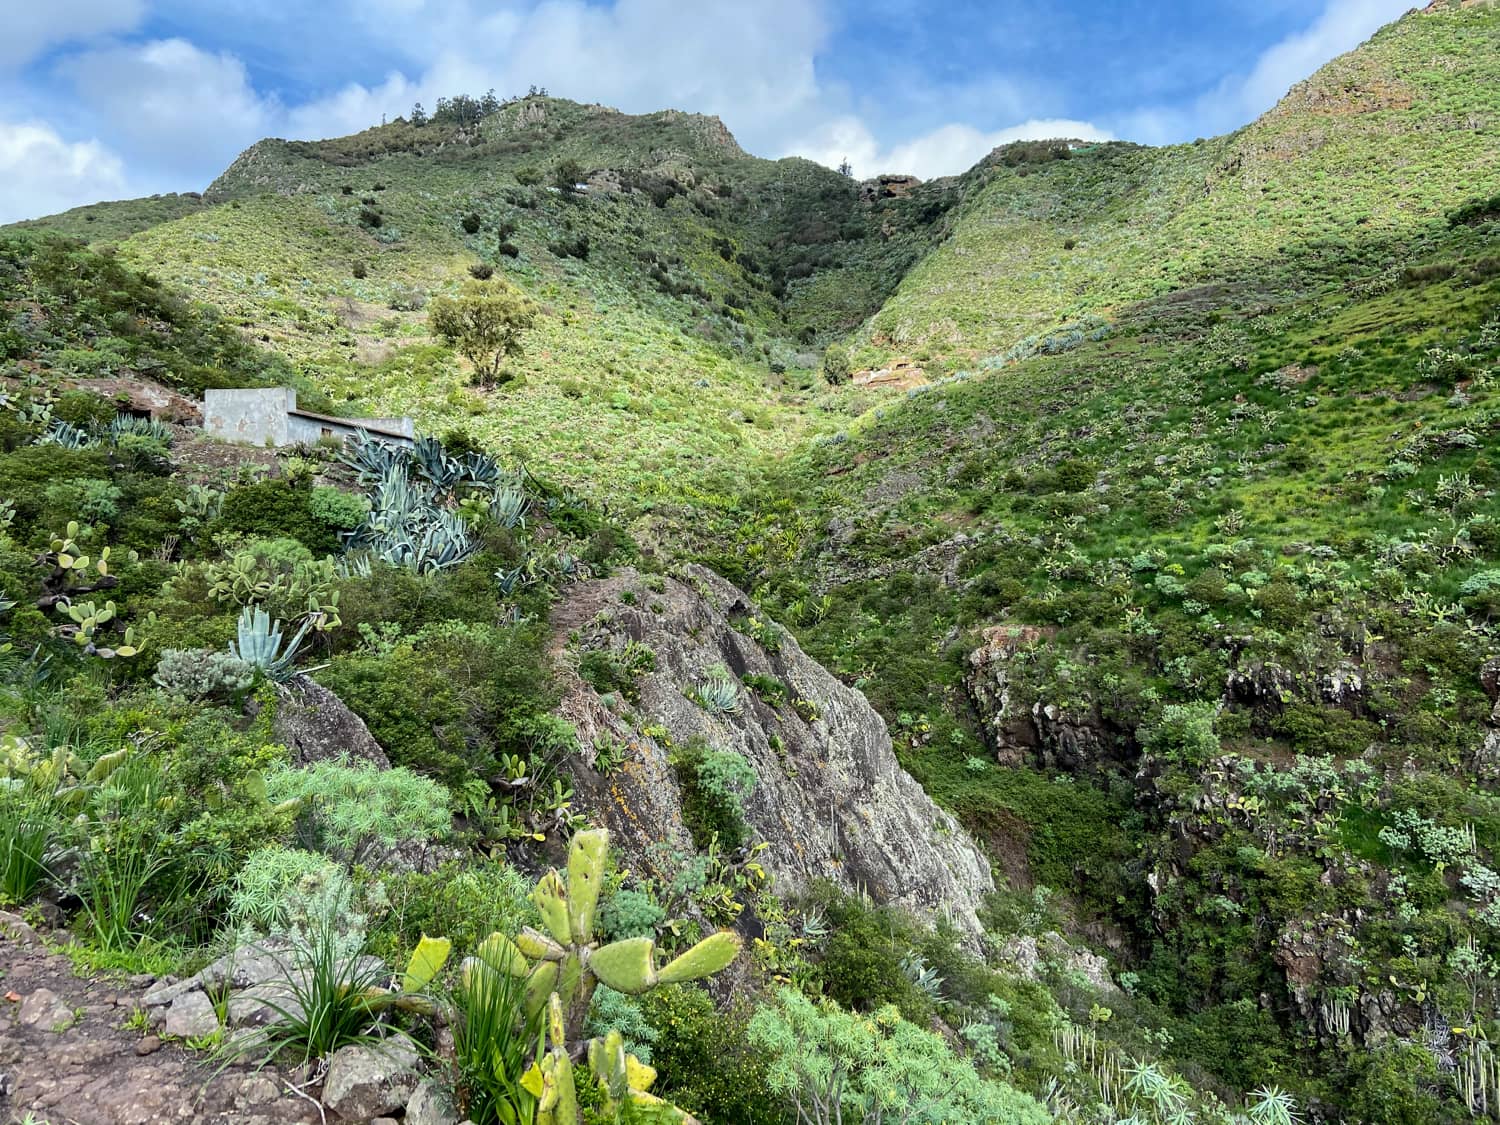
(703,1061)
(276,508)
(336,508)
(860,963)
(348,808)
(465,902)
(868,1068)
(446,700)
(1325,731)
(714,785)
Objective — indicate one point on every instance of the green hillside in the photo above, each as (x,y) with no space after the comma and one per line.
(1176,577)
(1361,159)
(1234,498)
(686,293)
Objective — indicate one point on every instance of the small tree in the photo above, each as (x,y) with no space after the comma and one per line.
(484,323)
(836,364)
(567,174)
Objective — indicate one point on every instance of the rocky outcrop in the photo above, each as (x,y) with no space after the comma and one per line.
(830,799)
(315,725)
(887,187)
(1046,733)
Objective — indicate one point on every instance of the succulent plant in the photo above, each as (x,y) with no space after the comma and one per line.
(567,959)
(508,506)
(85,620)
(562,967)
(260,644)
(66,435)
(371,458)
(122,424)
(719,693)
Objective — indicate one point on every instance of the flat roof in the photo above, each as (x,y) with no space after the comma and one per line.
(352,424)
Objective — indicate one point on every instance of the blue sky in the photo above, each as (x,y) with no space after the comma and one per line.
(111,98)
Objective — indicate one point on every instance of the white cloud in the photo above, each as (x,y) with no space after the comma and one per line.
(40,173)
(176,113)
(945,151)
(171,102)
(753,64)
(28,28)
(1342,26)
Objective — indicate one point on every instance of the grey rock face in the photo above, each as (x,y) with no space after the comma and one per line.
(191,1016)
(315,725)
(368,1081)
(831,799)
(430,1105)
(43,1009)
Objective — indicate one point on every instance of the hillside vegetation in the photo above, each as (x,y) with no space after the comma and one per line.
(1175,577)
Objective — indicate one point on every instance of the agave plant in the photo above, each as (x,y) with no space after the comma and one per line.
(508,506)
(406,526)
(481,469)
(927,980)
(719,693)
(1271,1105)
(260,644)
(433,462)
(66,435)
(122,424)
(371,458)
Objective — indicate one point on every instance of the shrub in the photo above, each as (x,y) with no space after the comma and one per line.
(1328,731)
(836,364)
(834,1066)
(274,508)
(336,508)
(860,966)
(262,886)
(464,902)
(627,914)
(197,673)
(470,223)
(703,1061)
(1184,734)
(714,785)
(350,807)
(406,298)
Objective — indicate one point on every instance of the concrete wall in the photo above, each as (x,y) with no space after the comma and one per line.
(250,416)
(268,416)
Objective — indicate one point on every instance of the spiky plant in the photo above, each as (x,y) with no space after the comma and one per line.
(260,644)
(718,693)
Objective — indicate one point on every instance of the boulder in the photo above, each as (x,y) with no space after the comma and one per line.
(315,725)
(830,798)
(191,1016)
(370,1080)
(430,1105)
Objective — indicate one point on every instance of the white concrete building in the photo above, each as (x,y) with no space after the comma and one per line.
(269,416)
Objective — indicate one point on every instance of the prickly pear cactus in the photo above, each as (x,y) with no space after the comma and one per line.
(565,964)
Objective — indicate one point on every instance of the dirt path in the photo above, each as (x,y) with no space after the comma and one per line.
(66,1058)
